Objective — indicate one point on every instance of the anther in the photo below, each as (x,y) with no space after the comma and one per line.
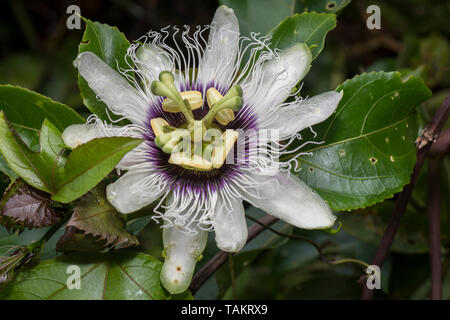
(232,101)
(195,162)
(221,151)
(194,99)
(160,126)
(224,116)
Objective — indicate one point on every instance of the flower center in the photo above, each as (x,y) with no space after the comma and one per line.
(196,144)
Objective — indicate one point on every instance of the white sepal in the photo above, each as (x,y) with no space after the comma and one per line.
(230,225)
(306,113)
(288,198)
(134,190)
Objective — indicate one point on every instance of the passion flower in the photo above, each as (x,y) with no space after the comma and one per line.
(194,106)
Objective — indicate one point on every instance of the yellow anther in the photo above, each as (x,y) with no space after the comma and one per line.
(158,125)
(194,98)
(213,96)
(221,151)
(195,162)
(223,117)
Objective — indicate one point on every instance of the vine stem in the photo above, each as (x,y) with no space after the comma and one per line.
(429,135)
(50,232)
(434,227)
(315,245)
(219,259)
(442,146)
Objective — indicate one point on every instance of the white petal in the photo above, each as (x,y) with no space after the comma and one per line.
(219,59)
(134,191)
(277,77)
(77,134)
(151,59)
(137,156)
(113,89)
(182,251)
(291,200)
(230,226)
(306,113)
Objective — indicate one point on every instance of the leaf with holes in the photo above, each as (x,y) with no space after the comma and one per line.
(110,45)
(309,27)
(328,6)
(95,217)
(25,207)
(367,152)
(118,276)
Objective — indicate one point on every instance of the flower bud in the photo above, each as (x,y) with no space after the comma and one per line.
(182,251)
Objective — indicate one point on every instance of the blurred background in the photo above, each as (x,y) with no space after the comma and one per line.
(37,50)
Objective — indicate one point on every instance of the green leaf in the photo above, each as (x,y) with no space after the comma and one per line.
(27,164)
(27,109)
(6,169)
(88,164)
(368,150)
(110,45)
(118,276)
(329,6)
(310,28)
(74,240)
(26,207)
(49,171)
(95,216)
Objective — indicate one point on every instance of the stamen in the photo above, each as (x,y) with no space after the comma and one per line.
(194,98)
(160,126)
(232,100)
(221,151)
(224,116)
(195,162)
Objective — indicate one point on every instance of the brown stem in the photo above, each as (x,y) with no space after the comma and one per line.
(442,146)
(424,142)
(434,225)
(219,259)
